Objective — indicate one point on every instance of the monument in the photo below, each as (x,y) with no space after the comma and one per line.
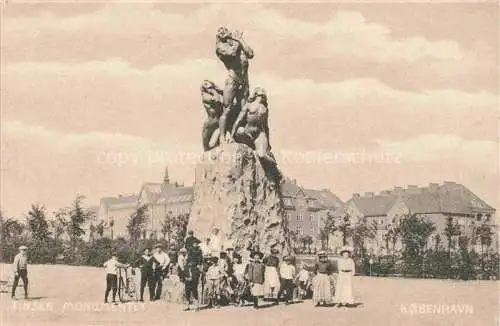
(237,180)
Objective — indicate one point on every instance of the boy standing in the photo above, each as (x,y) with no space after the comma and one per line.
(213,277)
(255,276)
(112,266)
(287,273)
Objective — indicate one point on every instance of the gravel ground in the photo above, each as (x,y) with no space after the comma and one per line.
(68,295)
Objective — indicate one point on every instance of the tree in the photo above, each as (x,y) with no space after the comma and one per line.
(360,232)
(59,224)
(136,225)
(78,215)
(415,233)
(345,227)
(329,228)
(451,230)
(392,236)
(11,233)
(166,225)
(485,236)
(37,224)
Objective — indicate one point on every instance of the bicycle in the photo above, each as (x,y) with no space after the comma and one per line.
(127,285)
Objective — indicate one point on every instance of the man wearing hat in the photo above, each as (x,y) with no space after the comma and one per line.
(20,271)
(190,240)
(161,270)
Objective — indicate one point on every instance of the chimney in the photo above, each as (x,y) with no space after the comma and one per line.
(413,189)
(433,186)
(369,194)
(355,195)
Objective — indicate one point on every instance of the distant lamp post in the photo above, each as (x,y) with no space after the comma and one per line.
(371,263)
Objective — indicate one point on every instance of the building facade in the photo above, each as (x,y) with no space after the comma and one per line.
(306,209)
(435,203)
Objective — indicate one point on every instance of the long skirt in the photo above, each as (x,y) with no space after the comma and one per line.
(257,290)
(343,293)
(271,280)
(322,291)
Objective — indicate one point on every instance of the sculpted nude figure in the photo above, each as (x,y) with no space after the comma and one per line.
(211,97)
(252,128)
(235,53)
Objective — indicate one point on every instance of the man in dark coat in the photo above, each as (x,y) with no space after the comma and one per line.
(147,263)
(190,240)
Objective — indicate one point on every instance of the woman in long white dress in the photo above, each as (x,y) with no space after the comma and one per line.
(346,269)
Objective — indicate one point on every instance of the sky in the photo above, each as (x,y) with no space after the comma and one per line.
(98,98)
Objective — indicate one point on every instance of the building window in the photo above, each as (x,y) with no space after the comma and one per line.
(311,218)
(287,202)
(300,230)
(300,217)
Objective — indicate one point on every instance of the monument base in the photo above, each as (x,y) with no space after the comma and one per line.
(234,192)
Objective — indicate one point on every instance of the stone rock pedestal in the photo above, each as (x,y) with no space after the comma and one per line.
(234,192)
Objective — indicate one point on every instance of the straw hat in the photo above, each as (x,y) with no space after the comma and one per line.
(23,247)
(345,249)
(256,253)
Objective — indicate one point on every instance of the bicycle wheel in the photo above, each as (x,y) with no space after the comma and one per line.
(121,288)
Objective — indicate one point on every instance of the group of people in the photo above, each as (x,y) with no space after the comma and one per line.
(214,273)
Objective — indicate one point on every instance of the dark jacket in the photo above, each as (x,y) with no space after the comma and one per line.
(272,260)
(146,265)
(324,268)
(195,256)
(191,273)
(255,272)
(188,243)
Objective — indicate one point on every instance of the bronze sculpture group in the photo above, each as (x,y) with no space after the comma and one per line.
(233,114)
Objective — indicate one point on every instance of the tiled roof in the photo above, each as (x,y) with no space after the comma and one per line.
(109,201)
(375,205)
(449,197)
(290,188)
(325,198)
(172,193)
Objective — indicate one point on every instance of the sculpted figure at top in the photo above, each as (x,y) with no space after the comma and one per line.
(251,126)
(211,98)
(235,53)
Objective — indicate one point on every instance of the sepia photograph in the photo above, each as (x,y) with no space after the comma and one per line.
(249,163)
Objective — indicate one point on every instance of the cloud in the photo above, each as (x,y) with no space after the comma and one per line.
(344,33)
(162,103)
(429,148)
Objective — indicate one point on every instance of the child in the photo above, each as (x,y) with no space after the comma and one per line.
(322,287)
(255,276)
(303,279)
(213,277)
(287,274)
(239,276)
(112,266)
(192,277)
